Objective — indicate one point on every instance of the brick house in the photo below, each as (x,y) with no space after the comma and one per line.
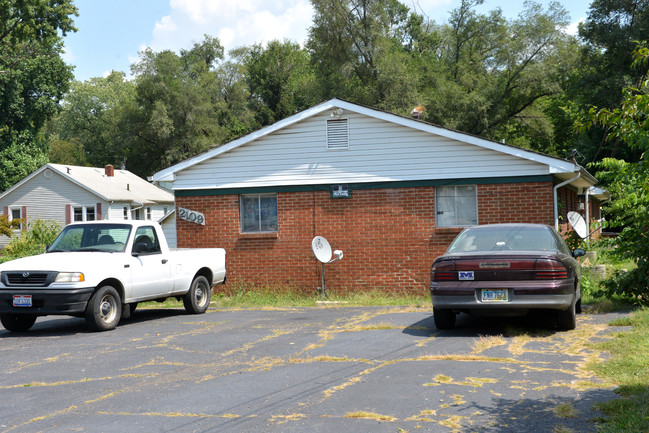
(389,191)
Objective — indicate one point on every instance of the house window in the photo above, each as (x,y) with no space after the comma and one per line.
(456,206)
(258,213)
(83,213)
(337,134)
(15,213)
(148,213)
(126,212)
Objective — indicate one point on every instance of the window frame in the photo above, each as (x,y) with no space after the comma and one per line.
(84,212)
(258,196)
(11,216)
(439,212)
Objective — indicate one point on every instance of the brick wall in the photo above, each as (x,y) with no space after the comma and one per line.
(388,236)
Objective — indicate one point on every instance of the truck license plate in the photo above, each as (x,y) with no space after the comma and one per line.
(495,295)
(22,300)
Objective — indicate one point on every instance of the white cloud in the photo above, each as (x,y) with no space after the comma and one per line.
(236,24)
(573,28)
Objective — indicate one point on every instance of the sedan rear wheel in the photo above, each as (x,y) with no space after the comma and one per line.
(567,319)
(444,319)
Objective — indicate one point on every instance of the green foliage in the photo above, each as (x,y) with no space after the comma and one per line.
(33,79)
(280,79)
(92,126)
(31,241)
(7,227)
(629,186)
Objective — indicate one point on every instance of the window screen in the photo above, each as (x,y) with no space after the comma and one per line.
(456,206)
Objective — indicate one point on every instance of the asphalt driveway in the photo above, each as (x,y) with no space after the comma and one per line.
(305,369)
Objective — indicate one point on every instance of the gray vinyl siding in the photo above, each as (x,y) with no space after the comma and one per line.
(47,198)
(379,151)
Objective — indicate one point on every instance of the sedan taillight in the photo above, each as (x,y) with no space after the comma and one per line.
(443,272)
(550,270)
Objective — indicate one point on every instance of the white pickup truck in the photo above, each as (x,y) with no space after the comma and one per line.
(101,270)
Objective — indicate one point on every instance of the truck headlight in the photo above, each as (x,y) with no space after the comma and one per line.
(70,277)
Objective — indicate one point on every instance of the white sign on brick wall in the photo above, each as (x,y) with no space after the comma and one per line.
(191,216)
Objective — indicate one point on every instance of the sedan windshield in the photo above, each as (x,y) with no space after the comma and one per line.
(92,237)
(504,238)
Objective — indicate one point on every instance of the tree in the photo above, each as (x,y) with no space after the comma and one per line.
(174,117)
(489,76)
(629,183)
(280,80)
(349,40)
(90,129)
(33,79)
(605,68)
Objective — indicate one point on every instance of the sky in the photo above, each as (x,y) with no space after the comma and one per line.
(111,34)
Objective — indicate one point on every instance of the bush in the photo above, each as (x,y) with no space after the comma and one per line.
(31,241)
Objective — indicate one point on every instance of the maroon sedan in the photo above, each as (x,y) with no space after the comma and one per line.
(507,270)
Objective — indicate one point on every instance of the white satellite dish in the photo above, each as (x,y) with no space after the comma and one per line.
(578,224)
(321,249)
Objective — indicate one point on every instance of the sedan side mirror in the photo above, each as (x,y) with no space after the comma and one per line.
(578,252)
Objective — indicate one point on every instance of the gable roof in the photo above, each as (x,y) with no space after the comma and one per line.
(123,186)
(561,168)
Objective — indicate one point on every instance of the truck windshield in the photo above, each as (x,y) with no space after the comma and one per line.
(92,237)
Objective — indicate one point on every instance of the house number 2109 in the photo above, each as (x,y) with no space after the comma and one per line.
(191,216)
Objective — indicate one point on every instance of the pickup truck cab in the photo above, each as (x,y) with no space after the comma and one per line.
(101,270)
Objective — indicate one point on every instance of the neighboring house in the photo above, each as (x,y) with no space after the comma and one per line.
(66,193)
(389,191)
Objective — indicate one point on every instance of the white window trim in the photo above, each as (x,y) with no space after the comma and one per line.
(10,217)
(84,212)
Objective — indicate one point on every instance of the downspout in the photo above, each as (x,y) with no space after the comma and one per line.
(587,195)
(556,204)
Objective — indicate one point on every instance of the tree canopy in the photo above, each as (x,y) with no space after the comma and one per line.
(33,79)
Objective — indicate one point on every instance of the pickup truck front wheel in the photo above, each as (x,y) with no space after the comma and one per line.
(104,309)
(17,322)
(197,299)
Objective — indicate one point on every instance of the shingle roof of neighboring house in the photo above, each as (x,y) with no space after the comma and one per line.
(122,186)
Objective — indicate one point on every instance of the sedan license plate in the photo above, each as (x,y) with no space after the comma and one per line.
(22,300)
(495,295)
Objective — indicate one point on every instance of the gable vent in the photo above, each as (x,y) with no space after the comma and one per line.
(337,134)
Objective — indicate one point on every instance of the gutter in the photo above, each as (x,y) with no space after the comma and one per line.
(556,202)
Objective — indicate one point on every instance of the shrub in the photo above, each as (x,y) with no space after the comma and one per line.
(31,241)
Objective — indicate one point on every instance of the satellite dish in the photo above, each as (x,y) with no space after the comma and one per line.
(578,224)
(321,249)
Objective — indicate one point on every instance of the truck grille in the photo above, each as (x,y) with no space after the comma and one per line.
(25,278)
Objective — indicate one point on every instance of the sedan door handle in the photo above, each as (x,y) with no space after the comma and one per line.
(164,261)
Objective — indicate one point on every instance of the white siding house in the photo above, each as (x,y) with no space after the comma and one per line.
(65,194)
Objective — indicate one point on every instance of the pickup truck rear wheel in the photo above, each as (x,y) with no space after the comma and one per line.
(104,309)
(17,322)
(197,299)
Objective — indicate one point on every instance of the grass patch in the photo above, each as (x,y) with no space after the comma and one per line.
(628,368)
(241,296)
